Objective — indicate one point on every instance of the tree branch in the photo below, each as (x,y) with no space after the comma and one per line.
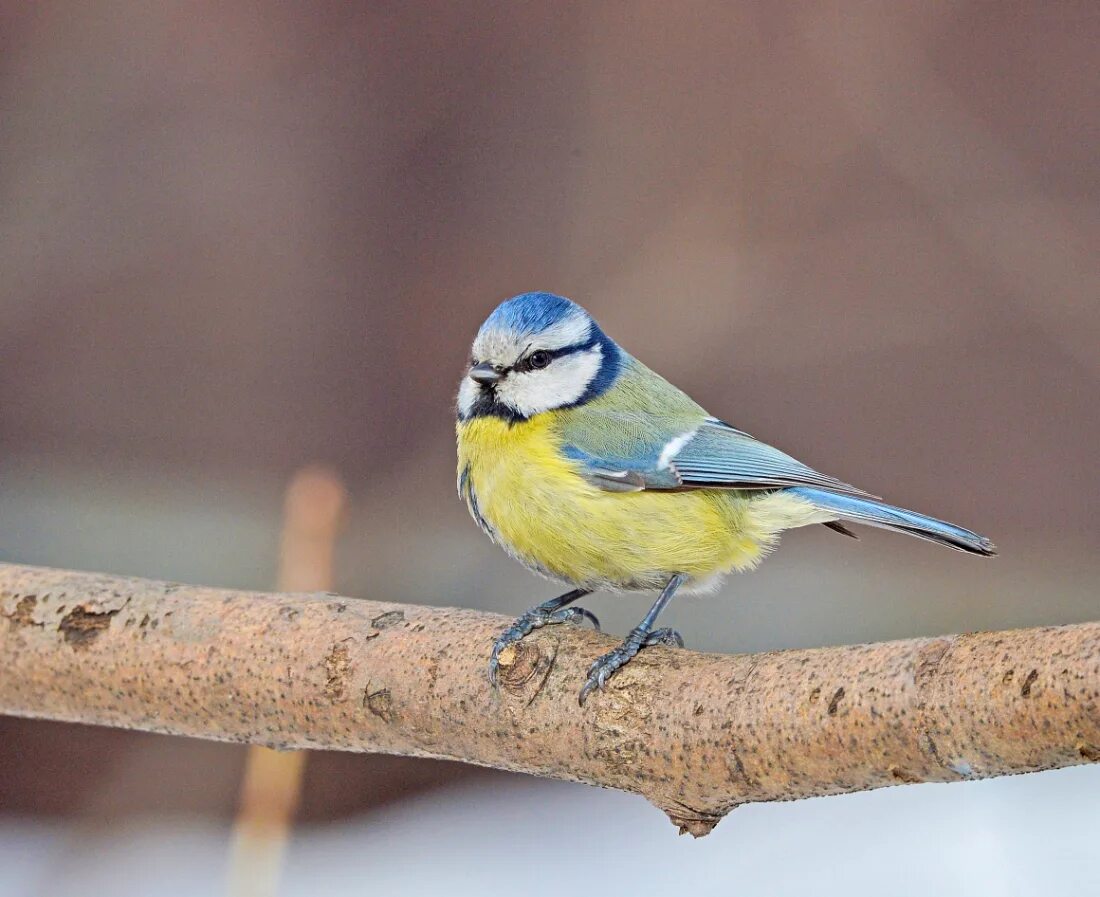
(696,734)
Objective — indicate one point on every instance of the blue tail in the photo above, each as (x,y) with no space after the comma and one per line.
(874,513)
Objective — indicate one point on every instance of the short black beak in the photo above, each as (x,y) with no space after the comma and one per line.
(485,374)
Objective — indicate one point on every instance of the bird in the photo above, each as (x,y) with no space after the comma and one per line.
(591,469)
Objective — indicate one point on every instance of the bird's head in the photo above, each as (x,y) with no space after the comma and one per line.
(536,352)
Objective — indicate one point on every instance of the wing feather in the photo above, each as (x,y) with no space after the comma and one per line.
(708,455)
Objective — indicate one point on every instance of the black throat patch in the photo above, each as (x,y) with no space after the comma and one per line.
(486,404)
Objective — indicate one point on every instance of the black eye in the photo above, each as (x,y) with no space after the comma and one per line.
(539,359)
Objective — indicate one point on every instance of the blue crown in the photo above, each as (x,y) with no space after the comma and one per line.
(531,313)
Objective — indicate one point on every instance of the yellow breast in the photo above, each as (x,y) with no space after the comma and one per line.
(535,504)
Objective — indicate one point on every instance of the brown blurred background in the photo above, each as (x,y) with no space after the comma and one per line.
(240,237)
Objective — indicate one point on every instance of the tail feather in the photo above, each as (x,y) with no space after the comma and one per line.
(874,513)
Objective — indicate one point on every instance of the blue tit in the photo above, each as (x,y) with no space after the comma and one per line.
(589,468)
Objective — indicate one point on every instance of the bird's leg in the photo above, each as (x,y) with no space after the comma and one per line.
(556,610)
(641,636)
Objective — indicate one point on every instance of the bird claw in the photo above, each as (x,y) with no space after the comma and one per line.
(576,615)
(670,638)
(534,619)
(610,663)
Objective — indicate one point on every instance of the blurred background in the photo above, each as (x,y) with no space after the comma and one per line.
(237,238)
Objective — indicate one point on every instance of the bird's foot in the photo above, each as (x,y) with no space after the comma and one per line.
(670,638)
(610,663)
(534,619)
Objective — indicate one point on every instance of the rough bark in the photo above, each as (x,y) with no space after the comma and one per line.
(313,511)
(696,734)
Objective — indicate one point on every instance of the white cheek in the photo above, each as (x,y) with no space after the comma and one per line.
(562,383)
(467,395)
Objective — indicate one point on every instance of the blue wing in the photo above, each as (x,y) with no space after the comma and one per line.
(657,453)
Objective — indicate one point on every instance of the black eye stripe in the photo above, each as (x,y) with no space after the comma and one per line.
(524,364)
(487,404)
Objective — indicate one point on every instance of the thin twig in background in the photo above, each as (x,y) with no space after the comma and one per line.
(312,515)
(696,734)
